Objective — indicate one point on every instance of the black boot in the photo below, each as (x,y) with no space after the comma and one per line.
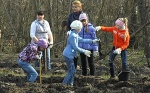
(112,73)
(125,68)
(111,69)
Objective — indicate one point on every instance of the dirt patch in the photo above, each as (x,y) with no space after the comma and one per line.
(13,80)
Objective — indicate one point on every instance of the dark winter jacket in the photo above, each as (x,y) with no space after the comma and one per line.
(73,16)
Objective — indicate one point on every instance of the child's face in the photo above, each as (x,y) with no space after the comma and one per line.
(119,27)
(84,22)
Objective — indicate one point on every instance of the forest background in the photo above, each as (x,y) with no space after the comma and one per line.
(16,17)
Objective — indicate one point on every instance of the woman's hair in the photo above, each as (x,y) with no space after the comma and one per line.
(78,3)
(40,12)
(125,20)
(87,29)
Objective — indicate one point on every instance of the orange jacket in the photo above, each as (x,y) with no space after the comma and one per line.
(120,37)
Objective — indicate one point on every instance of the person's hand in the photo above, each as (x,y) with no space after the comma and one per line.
(87,53)
(97,28)
(39,55)
(117,51)
(50,44)
(95,53)
(96,40)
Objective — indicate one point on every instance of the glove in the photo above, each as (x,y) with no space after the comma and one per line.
(77,54)
(87,53)
(95,53)
(39,55)
(96,40)
(50,45)
(98,28)
(117,51)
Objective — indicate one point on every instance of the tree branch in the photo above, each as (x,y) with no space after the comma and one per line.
(133,34)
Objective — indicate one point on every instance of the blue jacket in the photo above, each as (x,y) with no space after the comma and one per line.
(72,44)
(91,34)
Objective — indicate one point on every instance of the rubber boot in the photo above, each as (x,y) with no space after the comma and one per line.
(112,75)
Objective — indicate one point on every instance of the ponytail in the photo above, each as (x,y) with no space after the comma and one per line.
(125,20)
(126,25)
(87,29)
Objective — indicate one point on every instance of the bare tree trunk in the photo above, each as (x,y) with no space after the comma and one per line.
(11,25)
(143,10)
(133,25)
(16,17)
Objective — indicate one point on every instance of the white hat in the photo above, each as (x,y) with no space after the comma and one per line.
(77,25)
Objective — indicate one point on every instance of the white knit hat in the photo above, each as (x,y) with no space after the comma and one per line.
(77,25)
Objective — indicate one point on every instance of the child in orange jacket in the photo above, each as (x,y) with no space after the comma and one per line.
(121,39)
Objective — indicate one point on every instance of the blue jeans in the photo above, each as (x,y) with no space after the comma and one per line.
(69,78)
(123,58)
(29,70)
(48,59)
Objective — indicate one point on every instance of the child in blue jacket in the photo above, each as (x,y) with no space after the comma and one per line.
(72,47)
(87,32)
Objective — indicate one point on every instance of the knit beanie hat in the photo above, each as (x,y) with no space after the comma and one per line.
(42,43)
(119,23)
(77,25)
(83,16)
